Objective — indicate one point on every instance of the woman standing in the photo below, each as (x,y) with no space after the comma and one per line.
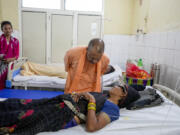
(9,50)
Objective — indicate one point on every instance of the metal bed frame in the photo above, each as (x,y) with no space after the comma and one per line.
(14,69)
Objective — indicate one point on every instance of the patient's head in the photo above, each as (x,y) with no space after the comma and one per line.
(109,69)
(126,96)
(95,50)
(117,93)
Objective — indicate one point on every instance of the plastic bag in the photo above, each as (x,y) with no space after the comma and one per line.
(135,72)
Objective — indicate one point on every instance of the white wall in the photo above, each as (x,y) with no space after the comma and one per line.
(118,16)
(116,48)
(9,11)
(160,47)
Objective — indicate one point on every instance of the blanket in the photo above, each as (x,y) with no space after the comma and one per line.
(30,68)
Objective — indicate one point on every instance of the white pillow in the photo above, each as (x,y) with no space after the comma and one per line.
(109,79)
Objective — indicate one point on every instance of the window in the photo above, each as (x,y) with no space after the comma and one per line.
(84,5)
(50,4)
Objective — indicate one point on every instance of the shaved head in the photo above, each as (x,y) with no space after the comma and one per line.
(95,50)
(97,45)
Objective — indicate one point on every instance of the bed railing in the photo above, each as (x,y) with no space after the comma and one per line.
(174,94)
(13,69)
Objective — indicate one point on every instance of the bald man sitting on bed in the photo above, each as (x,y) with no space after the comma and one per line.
(85,66)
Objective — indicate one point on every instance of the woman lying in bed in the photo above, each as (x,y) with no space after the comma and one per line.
(29,117)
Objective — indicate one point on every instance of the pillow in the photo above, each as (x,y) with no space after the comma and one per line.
(132,96)
(149,98)
(138,87)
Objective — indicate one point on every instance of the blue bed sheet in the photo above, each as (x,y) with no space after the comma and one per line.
(28,94)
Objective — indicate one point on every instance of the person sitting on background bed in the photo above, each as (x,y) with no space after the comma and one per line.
(85,66)
(9,50)
(109,70)
(29,117)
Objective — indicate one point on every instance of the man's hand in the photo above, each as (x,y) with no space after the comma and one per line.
(85,95)
(88,97)
(75,97)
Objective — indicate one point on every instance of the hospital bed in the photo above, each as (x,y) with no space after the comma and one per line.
(159,120)
(17,81)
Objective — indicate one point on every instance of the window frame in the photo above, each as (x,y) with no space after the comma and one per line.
(61,11)
(102,9)
(63,7)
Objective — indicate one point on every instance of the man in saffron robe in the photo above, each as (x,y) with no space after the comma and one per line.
(85,66)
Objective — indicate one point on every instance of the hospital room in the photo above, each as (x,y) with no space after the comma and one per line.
(82,67)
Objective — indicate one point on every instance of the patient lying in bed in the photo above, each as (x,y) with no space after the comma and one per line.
(29,117)
(30,68)
(18,116)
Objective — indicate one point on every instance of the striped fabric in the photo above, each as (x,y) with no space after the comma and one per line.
(144,82)
(3,74)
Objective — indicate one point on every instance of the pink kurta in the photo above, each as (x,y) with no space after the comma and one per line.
(9,50)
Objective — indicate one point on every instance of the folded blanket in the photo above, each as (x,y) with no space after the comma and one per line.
(148,98)
(30,68)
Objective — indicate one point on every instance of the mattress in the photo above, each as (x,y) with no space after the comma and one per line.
(55,82)
(39,81)
(28,94)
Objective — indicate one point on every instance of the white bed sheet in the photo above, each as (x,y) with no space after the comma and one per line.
(159,120)
(39,79)
(56,82)
(112,77)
